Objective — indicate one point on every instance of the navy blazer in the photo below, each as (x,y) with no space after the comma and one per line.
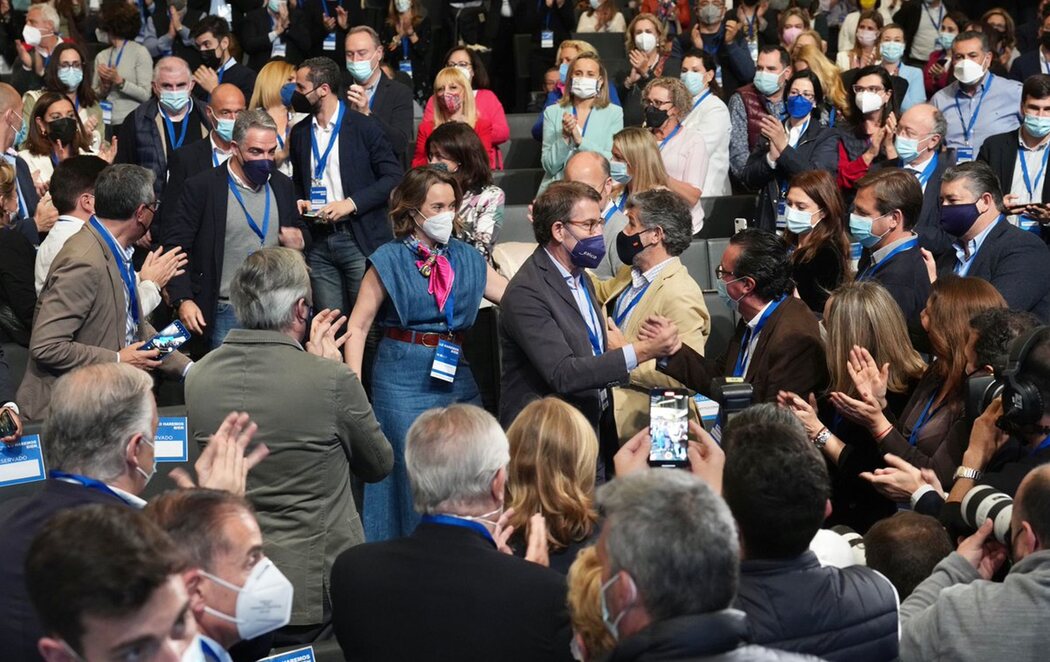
(546,346)
(369,172)
(906,279)
(1017,263)
(1026,65)
(25,185)
(184,163)
(1000,152)
(392,107)
(199,227)
(928,226)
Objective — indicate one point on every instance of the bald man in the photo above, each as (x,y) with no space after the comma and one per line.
(225,105)
(919,147)
(979,619)
(592,169)
(171,119)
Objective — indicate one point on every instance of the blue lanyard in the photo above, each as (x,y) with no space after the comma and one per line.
(539,8)
(968,128)
(324,7)
(175,144)
(583,131)
(126,274)
(405,43)
(927,172)
(699,101)
(669,136)
(323,160)
(1045,443)
(745,342)
(222,70)
(717,39)
(751,26)
(592,335)
(76,103)
(84,481)
(622,204)
(870,272)
(449,520)
(214,159)
(1029,183)
(120,54)
(609,214)
(940,17)
(924,418)
(259,232)
(624,312)
(831,118)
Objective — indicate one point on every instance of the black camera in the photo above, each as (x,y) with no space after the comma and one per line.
(733,396)
(981,390)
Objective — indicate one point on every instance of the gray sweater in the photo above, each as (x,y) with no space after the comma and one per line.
(955,615)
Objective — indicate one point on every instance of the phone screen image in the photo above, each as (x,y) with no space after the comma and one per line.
(669,428)
(170,339)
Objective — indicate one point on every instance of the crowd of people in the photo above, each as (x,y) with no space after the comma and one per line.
(415,439)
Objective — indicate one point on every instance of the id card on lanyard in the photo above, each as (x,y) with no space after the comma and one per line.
(126,273)
(318,192)
(546,35)
(260,232)
(966,152)
(405,66)
(740,369)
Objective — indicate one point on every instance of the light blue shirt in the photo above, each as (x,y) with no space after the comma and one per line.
(965,253)
(916,87)
(575,283)
(130,329)
(999,111)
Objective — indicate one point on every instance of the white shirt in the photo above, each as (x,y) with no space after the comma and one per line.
(331,179)
(685,158)
(925,40)
(1034,160)
(711,120)
(753,341)
(919,166)
(639,281)
(218,156)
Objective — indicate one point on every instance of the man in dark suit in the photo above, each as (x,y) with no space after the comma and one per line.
(343,168)
(224,215)
(448,583)
(212,37)
(1018,158)
(987,245)
(552,328)
(1036,60)
(370,92)
(776,345)
(225,104)
(11,124)
(887,205)
(266,34)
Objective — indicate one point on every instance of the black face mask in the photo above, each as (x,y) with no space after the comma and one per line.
(62,130)
(654,117)
(629,246)
(749,3)
(210,59)
(301,104)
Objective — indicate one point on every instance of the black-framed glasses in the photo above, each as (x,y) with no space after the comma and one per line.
(70,65)
(649,103)
(590,224)
(721,273)
(808,96)
(153,206)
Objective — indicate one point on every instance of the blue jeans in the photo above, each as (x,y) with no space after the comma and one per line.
(337,266)
(225,320)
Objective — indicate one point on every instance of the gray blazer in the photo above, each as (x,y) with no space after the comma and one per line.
(546,350)
(314,417)
(79,320)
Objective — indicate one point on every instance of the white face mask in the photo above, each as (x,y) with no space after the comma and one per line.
(152,472)
(584,88)
(439,226)
(32,36)
(968,72)
(402,5)
(645,41)
(869,102)
(264,603)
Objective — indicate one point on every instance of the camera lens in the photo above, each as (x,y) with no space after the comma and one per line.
(985,502)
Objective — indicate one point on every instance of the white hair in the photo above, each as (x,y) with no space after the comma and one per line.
(452,455)
(50,14)
(171,64)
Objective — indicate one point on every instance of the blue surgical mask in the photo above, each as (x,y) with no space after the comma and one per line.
(20,134)
(799,106)
(563,71)
(892,51)
(174,100)
(287,90)
(618,172)
(946,39)
(694,82)
(907,148)
(71,78)
(1037,126)
(611,624)
(361,70)
(723,293)
(596,3)
(798,221)
(224,127)
(860,228)
(767,82)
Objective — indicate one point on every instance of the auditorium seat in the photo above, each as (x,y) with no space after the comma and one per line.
(521,125)
(521,153)
(516,225)
(720,213)
(520,186)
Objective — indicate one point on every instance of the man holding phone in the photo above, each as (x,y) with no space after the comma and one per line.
(1019,158)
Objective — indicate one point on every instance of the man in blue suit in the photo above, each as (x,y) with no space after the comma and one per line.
(344,168)
(1037,60)
(987,245)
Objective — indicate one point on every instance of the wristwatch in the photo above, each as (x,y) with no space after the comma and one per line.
(968,473)
(820,440)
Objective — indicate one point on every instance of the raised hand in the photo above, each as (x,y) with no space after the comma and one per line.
(866,374)
(323,340)
(223,464)
(161,267)
(707,460)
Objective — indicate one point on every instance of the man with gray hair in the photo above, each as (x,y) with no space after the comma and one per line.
(988,246)
(225,214)
(170,119)
(41,37)
(670,565)
(654,282)
(88,310)
(313,415)
(98,447)
(449,584)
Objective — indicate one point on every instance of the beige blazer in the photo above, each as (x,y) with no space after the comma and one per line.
(79,320)
(675,295)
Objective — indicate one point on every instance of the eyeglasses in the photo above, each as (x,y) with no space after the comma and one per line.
(590,224)
(721,273)
(805,95)
(153,206)
(650,103)
(70,65)
(876,89)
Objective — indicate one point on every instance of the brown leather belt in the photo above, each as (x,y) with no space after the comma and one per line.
(429,339)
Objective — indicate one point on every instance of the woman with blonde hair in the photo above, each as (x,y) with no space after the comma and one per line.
(273,93)
(453,102)
(568,50)
(836,102)
(636,165)
(582,121)
(600,16)
(645,45)
(553,455)
(591,640)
